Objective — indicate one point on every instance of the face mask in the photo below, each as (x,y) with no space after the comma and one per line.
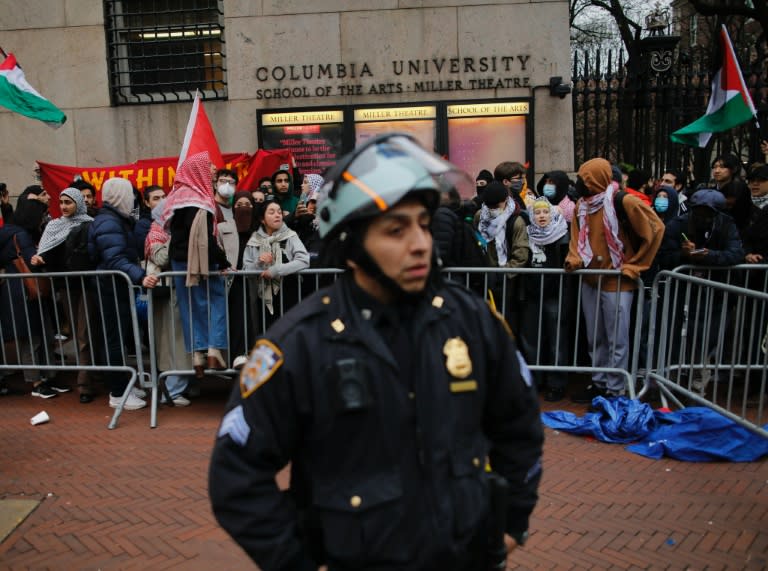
(550,190)
(480,190)
(517,185)
(581,188)
(226,189)
(243,219)
(661,204)
(703,223)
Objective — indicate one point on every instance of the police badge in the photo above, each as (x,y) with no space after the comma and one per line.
(457,360)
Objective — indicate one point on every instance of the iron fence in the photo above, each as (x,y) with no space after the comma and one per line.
(626,114)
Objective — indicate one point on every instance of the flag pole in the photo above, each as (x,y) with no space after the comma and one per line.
(2,51)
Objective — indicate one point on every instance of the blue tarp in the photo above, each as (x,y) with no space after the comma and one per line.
(695,434)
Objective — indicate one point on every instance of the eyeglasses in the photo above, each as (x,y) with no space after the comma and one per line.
(265,188)
(227,180)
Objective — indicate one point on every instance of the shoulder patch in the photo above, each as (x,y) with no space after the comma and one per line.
(264,362)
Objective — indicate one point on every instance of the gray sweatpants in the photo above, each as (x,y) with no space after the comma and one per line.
(606,317)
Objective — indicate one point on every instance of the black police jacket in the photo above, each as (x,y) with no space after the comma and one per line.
(386,473)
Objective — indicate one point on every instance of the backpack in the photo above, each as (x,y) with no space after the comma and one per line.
(467,245)
(77,258)
(621,215)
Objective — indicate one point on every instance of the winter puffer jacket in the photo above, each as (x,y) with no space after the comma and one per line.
(112,244)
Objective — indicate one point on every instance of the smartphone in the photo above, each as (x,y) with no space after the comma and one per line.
(698,251)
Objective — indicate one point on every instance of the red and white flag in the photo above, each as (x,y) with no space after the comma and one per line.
(199,136)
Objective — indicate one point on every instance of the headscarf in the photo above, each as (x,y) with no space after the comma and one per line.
(192,188)
(57,230)
(315,182)
(540,236)
(596,175)
(495,228)
(156,236)
(118,193)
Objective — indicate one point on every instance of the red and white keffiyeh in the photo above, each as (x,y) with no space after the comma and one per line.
(192,187)
(590,205)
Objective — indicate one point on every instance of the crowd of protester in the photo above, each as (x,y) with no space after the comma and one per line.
(609,217)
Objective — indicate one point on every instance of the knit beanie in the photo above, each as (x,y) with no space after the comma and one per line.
(485,175)
(494,193)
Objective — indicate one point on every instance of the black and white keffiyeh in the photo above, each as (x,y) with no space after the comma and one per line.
(59,228)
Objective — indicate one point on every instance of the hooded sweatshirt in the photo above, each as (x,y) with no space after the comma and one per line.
(639,248)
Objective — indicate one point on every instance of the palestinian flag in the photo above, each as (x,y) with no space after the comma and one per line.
(19,96)
(730,104)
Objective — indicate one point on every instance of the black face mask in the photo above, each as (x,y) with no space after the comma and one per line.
(581,188)
(243,219)
(702,223)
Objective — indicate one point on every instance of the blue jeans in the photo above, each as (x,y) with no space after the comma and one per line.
(206,329)
(176,384)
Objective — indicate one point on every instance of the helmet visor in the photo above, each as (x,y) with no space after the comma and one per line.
(443,174)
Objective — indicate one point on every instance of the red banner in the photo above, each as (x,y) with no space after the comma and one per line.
(160,171)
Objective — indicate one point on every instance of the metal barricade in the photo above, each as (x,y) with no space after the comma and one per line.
(707,340)
(545,309)
(87,302)
(235,320)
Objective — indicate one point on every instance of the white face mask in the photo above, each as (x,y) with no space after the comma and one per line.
(226,189)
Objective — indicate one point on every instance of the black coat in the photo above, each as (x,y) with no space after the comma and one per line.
(387,446)
(723,243)
(18,317)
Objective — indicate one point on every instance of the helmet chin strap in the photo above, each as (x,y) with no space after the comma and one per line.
(365,262)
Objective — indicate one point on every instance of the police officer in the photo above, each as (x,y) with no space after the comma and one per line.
(388,392)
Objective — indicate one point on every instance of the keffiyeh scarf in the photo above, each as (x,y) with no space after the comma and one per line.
(192,187)
(493,228)
(58,229)
(540,236)
(590,205)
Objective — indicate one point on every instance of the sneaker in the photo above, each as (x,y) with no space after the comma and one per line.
(58,388)
(178,401)
(586,396)
(139,392)
(132,403)
(239,362)
(44,391)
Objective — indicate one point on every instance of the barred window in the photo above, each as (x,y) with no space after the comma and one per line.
(164,50)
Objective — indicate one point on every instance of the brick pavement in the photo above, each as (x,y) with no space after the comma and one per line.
(135,498)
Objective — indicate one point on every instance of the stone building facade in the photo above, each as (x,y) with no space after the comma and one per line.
(470,78)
